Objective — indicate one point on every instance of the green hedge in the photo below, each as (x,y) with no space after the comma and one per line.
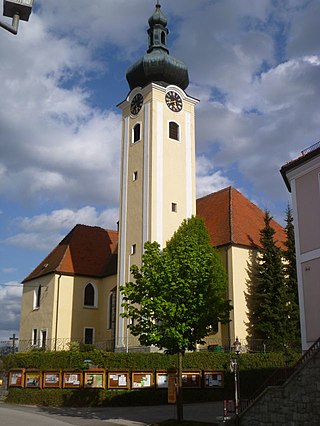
(140,361)
(253,371)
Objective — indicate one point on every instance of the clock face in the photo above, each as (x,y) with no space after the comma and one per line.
(174,101)
(136,104)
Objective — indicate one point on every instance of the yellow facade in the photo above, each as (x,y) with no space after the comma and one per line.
(62,314)
(157,178)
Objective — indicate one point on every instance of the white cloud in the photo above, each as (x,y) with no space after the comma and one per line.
(10,299)
(43,232)
(208,180)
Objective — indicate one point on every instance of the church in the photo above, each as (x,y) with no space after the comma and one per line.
(73,294)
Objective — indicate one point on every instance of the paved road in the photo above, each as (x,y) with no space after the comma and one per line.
(12,415)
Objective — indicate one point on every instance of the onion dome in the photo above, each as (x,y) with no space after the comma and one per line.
(157,65)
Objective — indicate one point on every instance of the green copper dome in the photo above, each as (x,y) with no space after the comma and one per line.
(157,65)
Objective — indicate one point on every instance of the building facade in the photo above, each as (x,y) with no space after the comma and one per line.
(157,155)
(74,294)
(302,177)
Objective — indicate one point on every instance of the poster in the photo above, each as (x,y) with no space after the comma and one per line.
(162,380)
(118,380)
(33,380)
(72,380)
(213,379)
(191,379)
(51,379)
(16,378)
(94,380)
(142,380)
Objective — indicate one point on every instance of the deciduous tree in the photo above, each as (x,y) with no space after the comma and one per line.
(178,294)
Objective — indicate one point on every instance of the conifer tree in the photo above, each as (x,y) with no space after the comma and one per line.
(290,271)
(266,295)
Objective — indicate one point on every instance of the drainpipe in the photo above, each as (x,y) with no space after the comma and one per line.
(57,313)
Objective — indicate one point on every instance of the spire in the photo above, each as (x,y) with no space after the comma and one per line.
(158,31)
(157,65)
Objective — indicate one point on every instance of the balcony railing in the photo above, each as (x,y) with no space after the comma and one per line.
(130,344)
(311,148)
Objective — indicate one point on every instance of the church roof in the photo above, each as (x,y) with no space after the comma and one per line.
(86,250)
(232,219)
(92,251)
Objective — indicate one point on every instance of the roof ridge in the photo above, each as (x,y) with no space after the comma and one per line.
(216,192)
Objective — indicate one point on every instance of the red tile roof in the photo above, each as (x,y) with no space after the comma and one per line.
(92,251)
(232,219)
(86,250)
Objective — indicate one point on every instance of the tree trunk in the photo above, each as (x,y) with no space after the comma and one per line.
(179,389)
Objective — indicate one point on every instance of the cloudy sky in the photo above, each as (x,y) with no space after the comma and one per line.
(254,65)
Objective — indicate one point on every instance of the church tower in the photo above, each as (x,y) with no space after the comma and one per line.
(157,189)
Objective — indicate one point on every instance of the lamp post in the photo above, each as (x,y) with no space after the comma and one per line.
(234,366)
(17,10)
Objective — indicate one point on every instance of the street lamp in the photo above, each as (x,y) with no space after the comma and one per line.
(234,369)
(17,10)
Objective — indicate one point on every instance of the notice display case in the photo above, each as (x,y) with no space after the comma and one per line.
(142,379)
(118,380)
(33,379)
(162,379)
(191,379)
(213,379)
(94,379)
(72,379)
(16,378)
(51,379)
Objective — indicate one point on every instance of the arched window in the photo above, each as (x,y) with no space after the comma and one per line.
(111,309)
(89,295)
(136,136)
(174,130)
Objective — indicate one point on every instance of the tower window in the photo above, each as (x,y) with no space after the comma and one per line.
(163,38)
(136,133)
(135,176)
(174,207)
(173,130)
(133,249)
(90,296)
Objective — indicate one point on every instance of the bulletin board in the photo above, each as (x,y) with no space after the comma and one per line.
(33,379)
(142,379)
(213,379)
(191,379)
(16,378)
(94,379)
(51,379)
(162,379)
(118,380)
(72,379)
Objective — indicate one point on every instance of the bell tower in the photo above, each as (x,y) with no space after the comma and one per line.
(157,189)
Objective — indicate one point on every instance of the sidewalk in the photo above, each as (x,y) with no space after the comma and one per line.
(128,416)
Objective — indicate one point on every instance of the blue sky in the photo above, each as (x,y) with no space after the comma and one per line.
(254,65)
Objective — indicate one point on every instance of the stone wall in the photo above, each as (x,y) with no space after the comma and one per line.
(296,403)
